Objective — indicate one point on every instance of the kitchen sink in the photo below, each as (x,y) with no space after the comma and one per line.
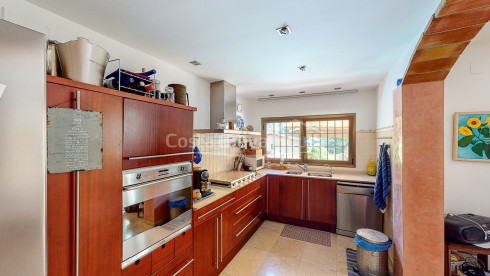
(294,172)
(320,174)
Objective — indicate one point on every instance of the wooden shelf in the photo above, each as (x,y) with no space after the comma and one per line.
(100,89)
(227,131)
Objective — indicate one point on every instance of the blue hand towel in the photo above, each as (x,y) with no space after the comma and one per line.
(383,178)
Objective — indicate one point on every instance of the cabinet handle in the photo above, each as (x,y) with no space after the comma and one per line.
(137,262)
(302,203)
(159,156)
(217,241)
(137,186)
(246,226)
(267,195)
(308,200)
(236,213)
(77,207)
(201,216)
(182,268)
(221,236)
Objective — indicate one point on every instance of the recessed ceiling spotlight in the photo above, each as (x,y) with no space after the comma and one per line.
(195,63)
(337,88)
(302,68)
(302,92)
(284,30)
(271,95)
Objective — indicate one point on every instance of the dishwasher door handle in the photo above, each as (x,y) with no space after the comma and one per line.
(355,190)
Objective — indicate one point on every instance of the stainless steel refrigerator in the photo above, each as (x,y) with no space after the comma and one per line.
(22,151)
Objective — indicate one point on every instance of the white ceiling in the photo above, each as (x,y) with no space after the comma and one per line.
(348,43)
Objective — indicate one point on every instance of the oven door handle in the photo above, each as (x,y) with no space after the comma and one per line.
(134,187)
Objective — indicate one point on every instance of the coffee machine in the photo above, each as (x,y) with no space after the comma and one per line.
(201,182)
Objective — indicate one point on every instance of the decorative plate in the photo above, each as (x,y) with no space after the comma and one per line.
(240,123)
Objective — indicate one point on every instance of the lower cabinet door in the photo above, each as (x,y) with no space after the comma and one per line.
(321,201)
(291,203)
(206,245)
(272,194)
(227,242)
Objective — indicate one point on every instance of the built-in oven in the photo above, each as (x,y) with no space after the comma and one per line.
(146,216)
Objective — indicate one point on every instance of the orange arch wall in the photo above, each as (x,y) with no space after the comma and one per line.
(418,179)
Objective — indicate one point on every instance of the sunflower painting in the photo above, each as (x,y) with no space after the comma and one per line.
(472,136)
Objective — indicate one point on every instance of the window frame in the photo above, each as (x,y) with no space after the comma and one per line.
(351,117)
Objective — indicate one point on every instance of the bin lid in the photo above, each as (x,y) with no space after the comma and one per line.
(177,201)
(372,236)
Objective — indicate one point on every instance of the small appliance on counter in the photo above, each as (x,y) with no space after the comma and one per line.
(256,162)
(201,183)
(467,228)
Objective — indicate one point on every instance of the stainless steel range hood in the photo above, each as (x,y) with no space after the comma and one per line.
(223,103)
(223,106)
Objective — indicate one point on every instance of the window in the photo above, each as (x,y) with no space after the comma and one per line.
(311,139)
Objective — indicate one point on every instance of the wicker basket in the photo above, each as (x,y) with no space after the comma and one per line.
(180,94)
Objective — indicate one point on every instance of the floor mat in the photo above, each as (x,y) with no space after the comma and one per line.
(307,235)
(351,262)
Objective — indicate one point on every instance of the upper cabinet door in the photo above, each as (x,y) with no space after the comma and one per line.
(152,130)
(321,200)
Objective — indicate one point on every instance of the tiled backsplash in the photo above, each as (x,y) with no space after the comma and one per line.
(219,150)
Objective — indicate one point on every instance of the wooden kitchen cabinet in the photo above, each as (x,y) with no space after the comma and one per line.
(100,194)
(263,192)
(206,246)
(307,202)
(227,241)
(183,241)
(321,200)
(272,194)
(181,265)
(141,267)
(152,130)
(162,255)
(291,197)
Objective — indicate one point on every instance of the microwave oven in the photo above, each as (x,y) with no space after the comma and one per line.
(257,163)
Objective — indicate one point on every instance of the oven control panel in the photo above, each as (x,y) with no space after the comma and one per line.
(142,175)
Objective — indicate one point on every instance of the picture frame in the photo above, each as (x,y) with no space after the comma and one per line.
(471,138)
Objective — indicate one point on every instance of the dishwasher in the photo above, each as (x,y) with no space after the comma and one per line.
(356,209)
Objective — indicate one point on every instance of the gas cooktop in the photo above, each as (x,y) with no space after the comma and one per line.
(233,178)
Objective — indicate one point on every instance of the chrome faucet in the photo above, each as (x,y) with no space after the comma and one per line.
(331,169)
(304,168)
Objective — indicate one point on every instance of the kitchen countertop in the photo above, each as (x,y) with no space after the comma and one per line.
(221,191)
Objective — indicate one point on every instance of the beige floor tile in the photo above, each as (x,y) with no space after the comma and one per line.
(274,265)
(342,273)
(345,242)
(341,259)
(308,269)
(225,274)
(320,255)
(273,225)
(263,241)
(284,247)
(246,262)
